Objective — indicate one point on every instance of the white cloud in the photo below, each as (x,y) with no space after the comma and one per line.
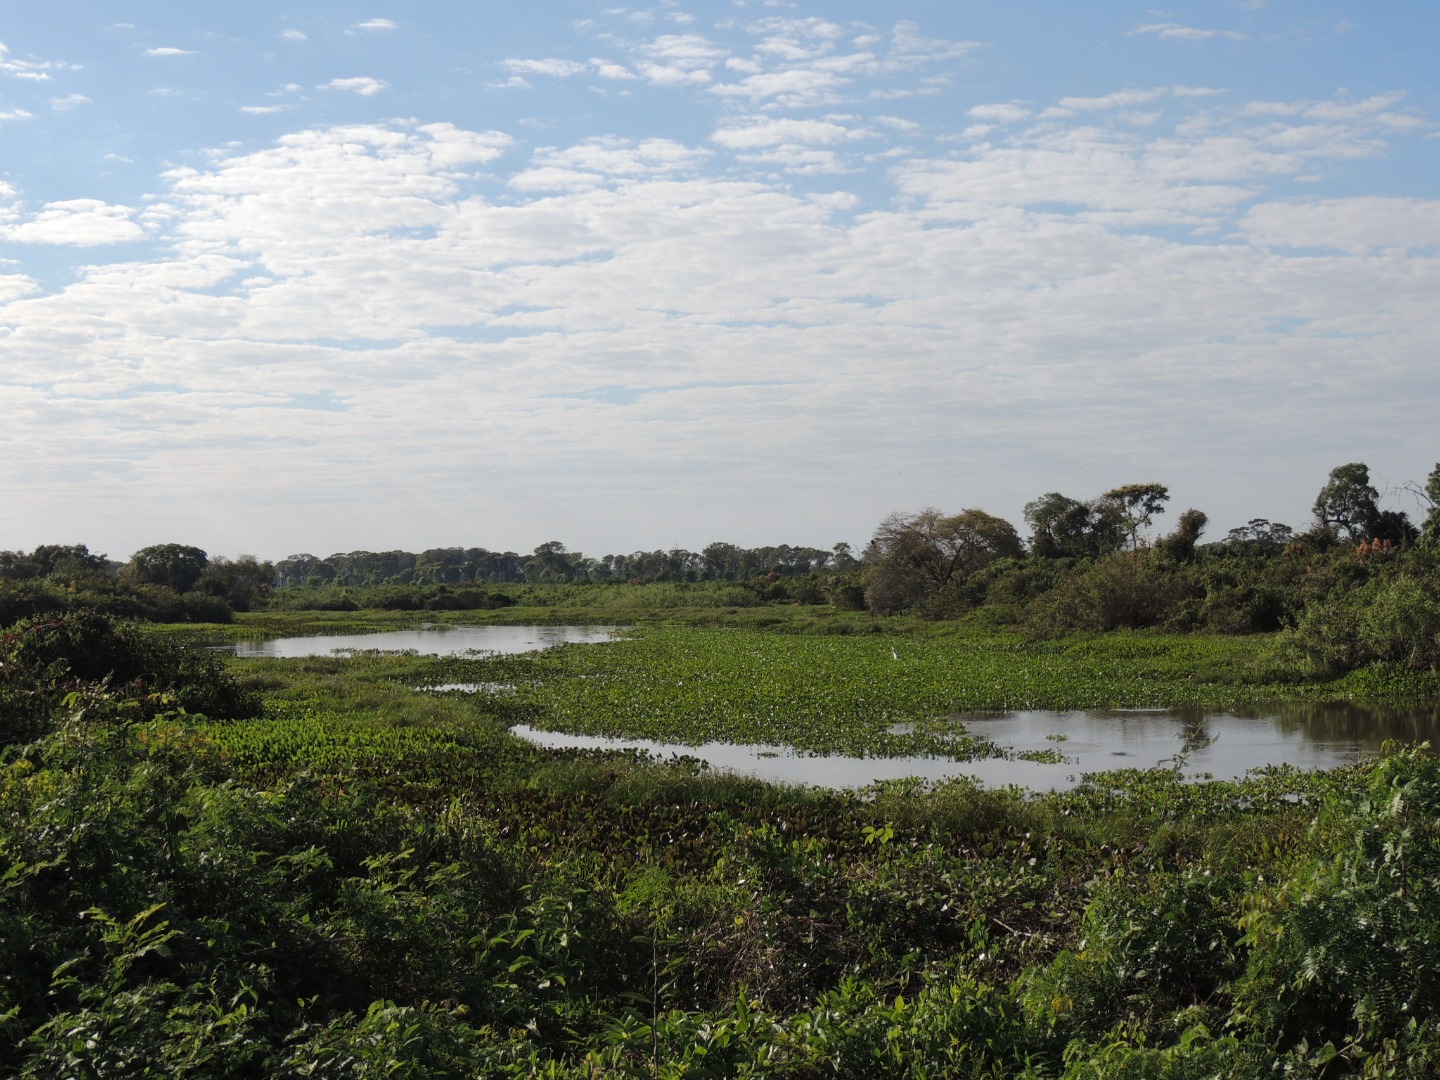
(1178,32)
(674,74)
(1347,109)
(363,85)
(1001,113)
(896,123)
(554,68)
(77,222)
(371,25)
(594,162)
(1117,100)
(168,50)
(607,70)
(793,40)
(775,132)
(795,88)
(800,160)
(263,110)
(548,178)
(612,156)
(686,52)
(293,35)
(1199,171)
(16,287)
(1360,224)
(837,200)
(32,70)
(794,63)
(908,42)
(13,114)
(69,101)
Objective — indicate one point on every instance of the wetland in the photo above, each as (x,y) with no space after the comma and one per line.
(301,861)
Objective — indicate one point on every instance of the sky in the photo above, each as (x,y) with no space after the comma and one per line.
(281,278)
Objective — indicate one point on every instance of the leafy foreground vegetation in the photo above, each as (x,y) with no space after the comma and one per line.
(328,874)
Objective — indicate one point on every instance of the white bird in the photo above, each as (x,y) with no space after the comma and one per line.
(893,653)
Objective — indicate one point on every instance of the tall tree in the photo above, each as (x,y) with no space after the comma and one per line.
(551,562)
(1260,534)
(177,565)
(1137,505)
(1062,527)
(1429,496)
(1180,544)
(1348,501)
(913,556)
(239,582)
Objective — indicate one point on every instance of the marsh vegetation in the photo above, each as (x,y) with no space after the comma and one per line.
(348,865)
(306,866)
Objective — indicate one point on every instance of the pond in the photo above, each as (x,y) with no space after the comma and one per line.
(1223,744)
(428,641)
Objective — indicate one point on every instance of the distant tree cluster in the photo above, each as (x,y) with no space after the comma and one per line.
(551,563)
(163,583)
(1361,584)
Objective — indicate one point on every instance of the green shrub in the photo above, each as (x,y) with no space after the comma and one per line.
(44,659)
(1122,592)
(1149,948)
(1394,621)
(1343,953)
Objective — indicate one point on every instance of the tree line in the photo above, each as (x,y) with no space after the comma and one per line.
(552,563)
(1095,564)
(914,557)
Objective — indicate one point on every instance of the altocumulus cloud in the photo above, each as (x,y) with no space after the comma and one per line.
(758,337)
(77,222)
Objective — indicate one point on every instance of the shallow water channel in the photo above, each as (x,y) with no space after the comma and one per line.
(427,641)
(1222,744)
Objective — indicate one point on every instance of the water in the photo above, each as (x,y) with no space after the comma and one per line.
(1226,745)
(428,641)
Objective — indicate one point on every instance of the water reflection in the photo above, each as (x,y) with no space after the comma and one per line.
(1224,744)
(428,641)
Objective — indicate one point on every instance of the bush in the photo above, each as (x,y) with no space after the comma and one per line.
(1122,592)
(44,659)
(1149,947)
(1395,621)
(1343,953)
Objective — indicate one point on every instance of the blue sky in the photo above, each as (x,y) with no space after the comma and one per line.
(278,278)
